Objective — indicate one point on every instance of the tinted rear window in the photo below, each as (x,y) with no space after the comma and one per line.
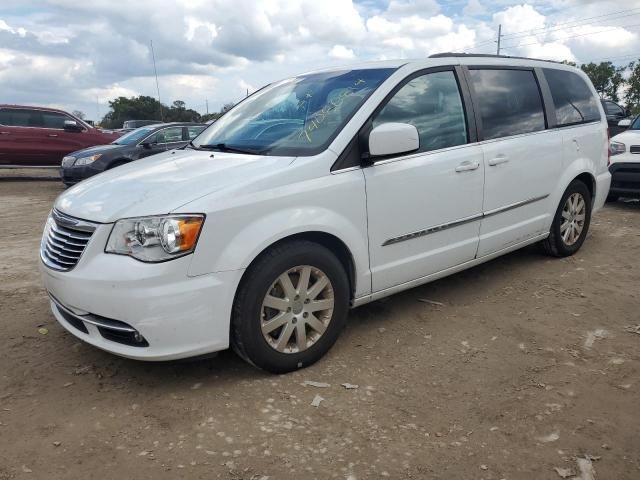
(509,100)
(20,118)
(572,98)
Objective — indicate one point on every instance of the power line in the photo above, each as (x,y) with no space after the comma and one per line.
(580,20)
(586,24)
(574,36)
(553,28)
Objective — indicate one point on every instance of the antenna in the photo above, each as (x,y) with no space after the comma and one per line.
(153,56)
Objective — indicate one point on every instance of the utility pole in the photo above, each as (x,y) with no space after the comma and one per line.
(499,37)
(207,104)
(153,56)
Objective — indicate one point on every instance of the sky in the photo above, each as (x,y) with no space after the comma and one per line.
(78,55)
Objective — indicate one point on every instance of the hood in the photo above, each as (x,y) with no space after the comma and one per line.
(628,137)
(87,152)
(161,183)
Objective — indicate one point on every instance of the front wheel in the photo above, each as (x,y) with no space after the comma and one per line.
(571,222)
(290,307)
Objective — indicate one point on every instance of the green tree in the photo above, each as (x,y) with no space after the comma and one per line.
(632,95)
(134,108)
(606,78)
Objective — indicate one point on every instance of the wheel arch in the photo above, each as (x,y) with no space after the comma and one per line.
(327,240)
(590,181)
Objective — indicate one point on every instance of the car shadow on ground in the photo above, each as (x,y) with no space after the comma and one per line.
(226,368)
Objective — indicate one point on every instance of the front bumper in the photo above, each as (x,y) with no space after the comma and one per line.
(73,175)
(176,315)
(625,179)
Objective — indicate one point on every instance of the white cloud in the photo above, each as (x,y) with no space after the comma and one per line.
(474,8)
(66,52)
(342,52)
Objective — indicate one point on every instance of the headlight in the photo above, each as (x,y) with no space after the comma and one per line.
(616,148)
(68,161)
(155,239)
(87,160)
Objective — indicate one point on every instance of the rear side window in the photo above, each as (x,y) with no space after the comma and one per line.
(5,117)
(433,105)
(509,101)
(572,98)
(21,118)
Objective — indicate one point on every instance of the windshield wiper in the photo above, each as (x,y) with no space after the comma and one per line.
(223,147)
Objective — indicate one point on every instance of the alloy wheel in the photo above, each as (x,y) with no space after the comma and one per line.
(297,309)
(573,218)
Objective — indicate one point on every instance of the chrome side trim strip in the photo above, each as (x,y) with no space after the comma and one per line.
(513,205)
(462,221)
(427,231)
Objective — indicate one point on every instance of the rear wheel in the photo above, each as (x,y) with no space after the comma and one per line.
(571,222)
(290,307)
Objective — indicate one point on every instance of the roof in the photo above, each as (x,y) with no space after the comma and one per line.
(33,107)
(451,58)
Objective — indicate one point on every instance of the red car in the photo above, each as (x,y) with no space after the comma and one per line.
(38,136)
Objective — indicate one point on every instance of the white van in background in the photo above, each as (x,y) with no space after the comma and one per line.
(323,192)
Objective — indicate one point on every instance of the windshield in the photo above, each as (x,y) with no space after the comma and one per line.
(135,136)
(636,124)
(299,116)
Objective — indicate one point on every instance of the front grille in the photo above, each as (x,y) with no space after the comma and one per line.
(64,240)
(634,149)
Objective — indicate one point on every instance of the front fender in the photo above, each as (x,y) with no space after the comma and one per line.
(334,204)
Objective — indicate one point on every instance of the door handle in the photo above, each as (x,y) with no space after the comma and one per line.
(4,133)
(498,160)
(466,166)
(53,134)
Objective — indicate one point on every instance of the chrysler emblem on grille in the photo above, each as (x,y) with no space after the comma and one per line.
(64,220)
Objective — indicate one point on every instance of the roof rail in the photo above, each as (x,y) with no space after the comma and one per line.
(487,55)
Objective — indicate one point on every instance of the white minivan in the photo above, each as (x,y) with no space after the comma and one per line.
(323,192)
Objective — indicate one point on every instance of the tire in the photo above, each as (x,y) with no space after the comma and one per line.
(559,243)
(612,198)
(261,299)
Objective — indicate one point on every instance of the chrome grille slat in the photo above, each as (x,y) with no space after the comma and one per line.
(52,234)
(56,259)
(57,244)
(60,254)
(64,241)
(66,232)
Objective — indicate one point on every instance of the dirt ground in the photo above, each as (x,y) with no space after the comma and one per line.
(511,370)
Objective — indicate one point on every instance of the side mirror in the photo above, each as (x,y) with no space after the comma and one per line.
(146,144)
(72,126)
(392,139)
(624,123)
